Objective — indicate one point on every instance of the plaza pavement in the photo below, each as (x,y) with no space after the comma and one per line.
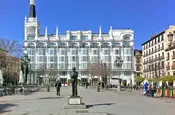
(99,103)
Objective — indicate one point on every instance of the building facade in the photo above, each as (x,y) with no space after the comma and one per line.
(154,56)
(170,50)
(138,63)
(77,49)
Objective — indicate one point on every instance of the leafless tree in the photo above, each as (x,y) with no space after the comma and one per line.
(10,51)
(12,47)
(99,69)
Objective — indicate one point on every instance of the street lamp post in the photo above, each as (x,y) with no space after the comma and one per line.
(118,63)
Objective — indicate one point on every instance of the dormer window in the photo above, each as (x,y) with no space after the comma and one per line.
(84,37)
(73,38)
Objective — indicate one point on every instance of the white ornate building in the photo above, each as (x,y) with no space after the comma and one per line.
(77,49)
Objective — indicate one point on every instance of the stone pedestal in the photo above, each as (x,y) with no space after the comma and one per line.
(75,103)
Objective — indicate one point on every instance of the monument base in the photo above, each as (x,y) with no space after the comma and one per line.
(75,103)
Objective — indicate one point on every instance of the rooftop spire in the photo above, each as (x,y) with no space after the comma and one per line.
(100,32)
(32,9)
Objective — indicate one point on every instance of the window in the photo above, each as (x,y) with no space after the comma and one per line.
(51,45)
(73,38)
(106,58)
(94,59)
(116,52)
(31,52)
(51,66)
(168,56)
(62,52)
(137,68)
(52,52)
(66,58)
(62,59)
(94,45)
(127,73)
(61,66)
(73,65)
(128,58)
(40,58)
(173,53)
(127,65)
(51,59)
(95,52)
(84,58)
(84,65)
(32,59)
(74,52)
(126,44)
(106,52)
(162,37)
(84,37)
(85,52)
(138,60)
(41,52)
(128,51)
(73,58)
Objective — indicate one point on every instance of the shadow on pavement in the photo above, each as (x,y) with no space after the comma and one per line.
(3,108)
(88,106)
(50,97)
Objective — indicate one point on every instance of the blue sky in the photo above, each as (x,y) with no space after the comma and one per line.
(145,17)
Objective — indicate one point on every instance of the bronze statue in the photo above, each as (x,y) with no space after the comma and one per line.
(25,68)
(74,75)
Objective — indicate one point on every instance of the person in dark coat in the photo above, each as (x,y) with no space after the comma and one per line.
(58,85)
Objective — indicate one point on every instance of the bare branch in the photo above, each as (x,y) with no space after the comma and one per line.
(12,47)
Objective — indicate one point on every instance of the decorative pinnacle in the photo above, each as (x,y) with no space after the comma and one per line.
(32,2)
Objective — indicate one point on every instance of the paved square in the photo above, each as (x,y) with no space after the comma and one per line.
(99,103)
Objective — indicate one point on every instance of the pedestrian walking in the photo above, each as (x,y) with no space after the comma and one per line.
(98,86)
(58,85)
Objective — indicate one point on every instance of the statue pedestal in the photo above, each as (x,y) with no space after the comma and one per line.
(75,103)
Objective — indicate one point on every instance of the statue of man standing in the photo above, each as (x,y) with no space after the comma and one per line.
(74,75)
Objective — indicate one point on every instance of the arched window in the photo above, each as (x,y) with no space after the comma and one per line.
(51,45)
(63,45)
(105,45)
(41,45)
(116,44)
(126,37)
(73,45)
(94,45)
(31,45)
